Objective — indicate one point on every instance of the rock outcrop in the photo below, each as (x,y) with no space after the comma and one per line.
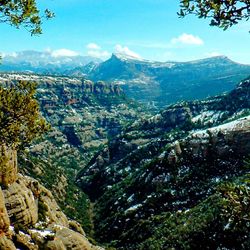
(29,215)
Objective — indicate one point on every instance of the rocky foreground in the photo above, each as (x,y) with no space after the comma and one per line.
(30,217)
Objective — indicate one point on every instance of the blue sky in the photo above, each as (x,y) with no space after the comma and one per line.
(149,29)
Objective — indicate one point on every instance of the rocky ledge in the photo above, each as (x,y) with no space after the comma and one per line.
(30,217)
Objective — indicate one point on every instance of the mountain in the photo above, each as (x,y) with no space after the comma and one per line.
(169,82)
(43,62)
(155,83)
(181,176)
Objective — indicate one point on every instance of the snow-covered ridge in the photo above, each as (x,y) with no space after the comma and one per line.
(242,123)
(153,64)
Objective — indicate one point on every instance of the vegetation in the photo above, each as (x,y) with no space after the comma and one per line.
(20,120)
(167,182)
(223,13)
(23,13)
(219,222)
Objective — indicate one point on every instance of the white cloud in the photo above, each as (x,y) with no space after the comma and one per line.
(126,51)
(11,54)
(99,54)
(212,54)
(95,50)
(93,46)
(63,52)
(187,39)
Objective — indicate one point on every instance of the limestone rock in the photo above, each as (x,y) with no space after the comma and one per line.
(4,219)
(38,221)
(55,245)
(6,244)
(20,203)
(24,241)
(69,240)
(53,212)
(230,137)
(75,226)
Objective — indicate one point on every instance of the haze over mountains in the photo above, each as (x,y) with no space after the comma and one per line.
(50,62)
(155,83)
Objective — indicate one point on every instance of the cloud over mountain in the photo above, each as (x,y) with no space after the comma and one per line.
(63,52)
(95,50)
(187,39)
(126,51)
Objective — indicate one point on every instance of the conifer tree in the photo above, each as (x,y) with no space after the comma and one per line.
(20,119)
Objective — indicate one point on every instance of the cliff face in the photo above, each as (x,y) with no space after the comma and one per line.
(30,217)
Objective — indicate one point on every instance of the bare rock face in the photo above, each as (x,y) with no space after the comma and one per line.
(50,209)
(67,239)
(176,115)
(6,244)
(8,165)
(4,218)
(20,204)
(29,215)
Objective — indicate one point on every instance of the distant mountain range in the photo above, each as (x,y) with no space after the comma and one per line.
(155,83)
(43,62)
(169,82)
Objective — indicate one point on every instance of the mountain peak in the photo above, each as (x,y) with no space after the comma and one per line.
(125,57)
(221,57)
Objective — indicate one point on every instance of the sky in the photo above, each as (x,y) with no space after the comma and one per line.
(148,29)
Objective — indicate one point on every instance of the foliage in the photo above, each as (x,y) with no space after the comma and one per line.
(23,13)
(20,120)
(223,13)
(220,222)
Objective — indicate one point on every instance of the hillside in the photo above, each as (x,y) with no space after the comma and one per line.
(83,116)
(182,163)
(170,82)
(143,173)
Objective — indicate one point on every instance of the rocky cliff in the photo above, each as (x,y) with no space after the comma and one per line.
(30,217)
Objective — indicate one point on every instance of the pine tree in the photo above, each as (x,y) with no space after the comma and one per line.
(20,119)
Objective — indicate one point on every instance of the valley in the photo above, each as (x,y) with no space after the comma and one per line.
(123,127)
(117,166)
(174,161)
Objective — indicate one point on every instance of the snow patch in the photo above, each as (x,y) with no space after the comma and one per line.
(133,208)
